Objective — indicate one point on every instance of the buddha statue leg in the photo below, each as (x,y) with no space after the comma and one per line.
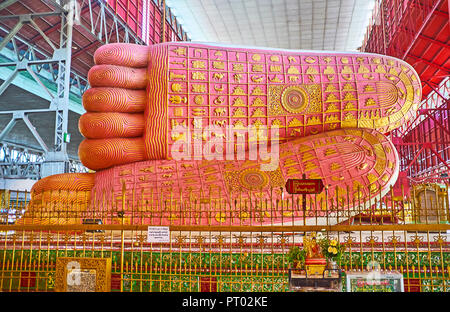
(139,95)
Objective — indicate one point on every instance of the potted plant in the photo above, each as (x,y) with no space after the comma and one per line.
(332,250)
(296,257)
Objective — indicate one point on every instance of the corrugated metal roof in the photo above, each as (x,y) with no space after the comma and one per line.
(293,24)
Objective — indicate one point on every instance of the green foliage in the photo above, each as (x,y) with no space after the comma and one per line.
(296,254)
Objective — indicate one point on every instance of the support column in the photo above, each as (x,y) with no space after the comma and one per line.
(57,159)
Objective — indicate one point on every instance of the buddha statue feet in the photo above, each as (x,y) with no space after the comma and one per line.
(192,119)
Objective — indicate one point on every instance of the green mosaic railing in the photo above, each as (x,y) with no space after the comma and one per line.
(227,260)
(231,272)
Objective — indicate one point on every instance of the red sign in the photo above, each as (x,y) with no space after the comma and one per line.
(304,186)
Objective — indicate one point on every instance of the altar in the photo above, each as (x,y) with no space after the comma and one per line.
(328,281)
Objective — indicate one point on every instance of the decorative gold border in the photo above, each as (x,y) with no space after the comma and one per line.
(102,266)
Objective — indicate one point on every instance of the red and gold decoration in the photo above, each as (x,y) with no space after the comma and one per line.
(315,262)
(331,110)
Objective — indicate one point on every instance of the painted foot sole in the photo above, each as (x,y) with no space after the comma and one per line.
(141,94)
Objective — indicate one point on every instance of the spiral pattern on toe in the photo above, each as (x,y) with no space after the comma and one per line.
(65,181)
(114,100)
(104,153)
(117,76)
(53,198)
(119,82)
(111,125)
(122,54)
(60,196)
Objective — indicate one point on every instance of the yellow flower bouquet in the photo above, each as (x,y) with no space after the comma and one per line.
(331,248)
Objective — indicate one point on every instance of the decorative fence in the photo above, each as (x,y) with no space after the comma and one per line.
(406,234)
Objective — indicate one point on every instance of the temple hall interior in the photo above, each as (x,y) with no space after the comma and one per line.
(224,146)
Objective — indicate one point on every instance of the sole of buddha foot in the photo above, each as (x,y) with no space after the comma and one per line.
(194,85)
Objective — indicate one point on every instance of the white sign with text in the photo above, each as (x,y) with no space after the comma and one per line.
(158,234)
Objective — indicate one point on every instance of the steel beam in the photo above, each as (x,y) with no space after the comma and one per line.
(424,8)
(59,158)
(32,60)
(437,92)
(11,34)
(8,128)
(35,133)
(422,27)
(7,3)
(8,81)
(23,162)
(57,155)
(55,26)
(437,122)
(421,59)
(29,16)
(435,41)
(27,111)
(36,78)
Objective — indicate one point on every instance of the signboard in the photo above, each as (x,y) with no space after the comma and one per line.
(375,282)
(304,186)
(158,234)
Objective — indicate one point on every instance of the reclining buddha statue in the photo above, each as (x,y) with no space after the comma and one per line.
(185,118)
